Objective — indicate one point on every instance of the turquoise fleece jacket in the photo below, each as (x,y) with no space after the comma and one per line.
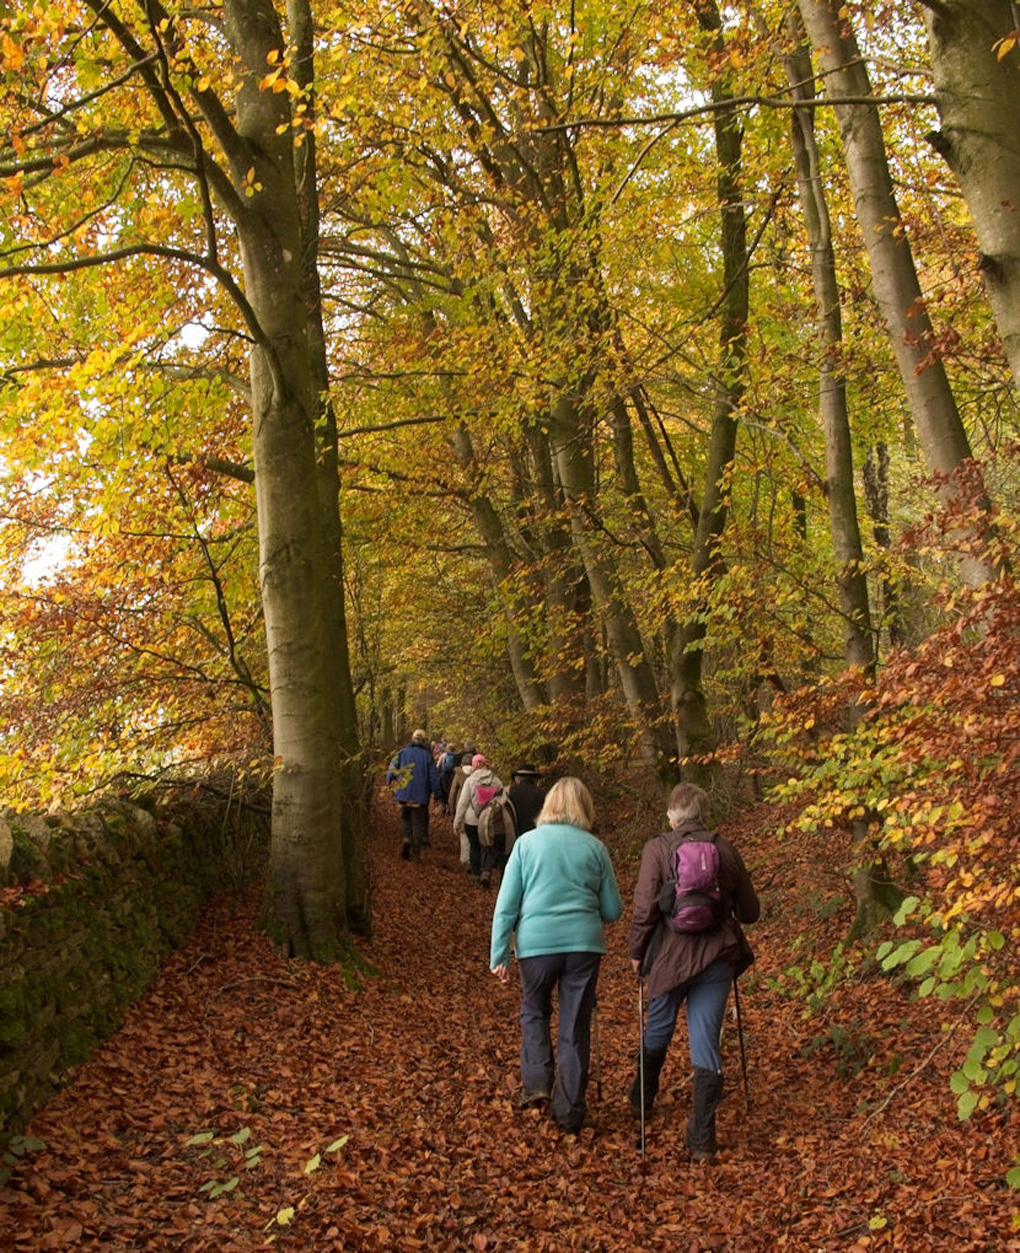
(557,890)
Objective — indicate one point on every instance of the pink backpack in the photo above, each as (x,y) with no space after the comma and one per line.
(691,897)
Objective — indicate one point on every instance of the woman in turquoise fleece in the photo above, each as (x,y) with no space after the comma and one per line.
(557,891)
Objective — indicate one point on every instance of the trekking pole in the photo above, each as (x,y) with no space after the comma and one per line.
(740,1037)
(641,1059)
(598,1051)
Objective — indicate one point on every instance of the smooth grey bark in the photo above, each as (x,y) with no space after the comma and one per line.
(349,756)
(695,734)
(501,558)
(558,574)
(571,446)
(894,277)
(978,93)
(858,639)
(306,881)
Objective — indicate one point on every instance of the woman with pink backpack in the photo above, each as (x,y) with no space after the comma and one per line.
(481,785)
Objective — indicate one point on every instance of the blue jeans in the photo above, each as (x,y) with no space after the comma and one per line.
(705,998)
(574,975)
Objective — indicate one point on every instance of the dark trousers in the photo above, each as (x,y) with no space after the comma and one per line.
(574,976)
(475,855)
(414,825)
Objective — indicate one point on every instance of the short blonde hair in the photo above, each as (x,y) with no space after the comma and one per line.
(568,801)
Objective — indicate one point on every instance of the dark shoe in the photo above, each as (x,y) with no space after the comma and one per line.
(699,1135)
(405,851)
(654,1060)
(533,1098)
(483,882)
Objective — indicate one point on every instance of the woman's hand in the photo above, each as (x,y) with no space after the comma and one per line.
(502,973)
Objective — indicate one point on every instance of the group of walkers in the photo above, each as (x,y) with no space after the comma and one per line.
(558,889)
(462,783)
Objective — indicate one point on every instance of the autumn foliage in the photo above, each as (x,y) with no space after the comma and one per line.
(930,770)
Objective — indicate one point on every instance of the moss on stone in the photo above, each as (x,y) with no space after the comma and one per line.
(27,861)
(12,1014)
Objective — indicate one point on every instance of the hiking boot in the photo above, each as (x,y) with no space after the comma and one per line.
(405,850)
(483,880)
(654,1059)
(538,1097)
(699,1135)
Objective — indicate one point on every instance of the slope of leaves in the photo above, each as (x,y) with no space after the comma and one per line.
(932,769)
(249,1102)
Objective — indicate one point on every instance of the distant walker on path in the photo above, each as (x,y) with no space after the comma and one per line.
(413,776)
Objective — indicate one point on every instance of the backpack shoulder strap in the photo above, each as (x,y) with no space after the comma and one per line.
(700,837)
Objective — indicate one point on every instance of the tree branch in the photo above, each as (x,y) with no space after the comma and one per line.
(727,105)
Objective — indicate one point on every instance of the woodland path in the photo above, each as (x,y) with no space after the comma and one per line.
(419,1069)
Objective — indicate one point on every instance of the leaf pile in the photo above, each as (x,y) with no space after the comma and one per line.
(249,1102)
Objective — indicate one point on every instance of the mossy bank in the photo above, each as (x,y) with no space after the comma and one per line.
(90,904)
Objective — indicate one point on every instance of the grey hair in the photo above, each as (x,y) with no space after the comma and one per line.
(687,803)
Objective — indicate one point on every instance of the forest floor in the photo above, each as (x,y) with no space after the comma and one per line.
(247,1101)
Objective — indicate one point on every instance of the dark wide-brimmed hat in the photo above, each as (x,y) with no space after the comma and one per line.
(525,772)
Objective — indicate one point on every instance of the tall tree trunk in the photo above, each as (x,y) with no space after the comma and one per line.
(694,732)
(571,445)
(350,760)
(858,642)
(894,277)
(490,528)
(563,583)
(306,887)
(978,91)
(900,610)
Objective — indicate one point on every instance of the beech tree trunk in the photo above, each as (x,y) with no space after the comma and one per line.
(490,528)
(695,735)
(858,641)
(979,105)
(349,757)
(894,277)
(561,581)
(306,891)
(571,445)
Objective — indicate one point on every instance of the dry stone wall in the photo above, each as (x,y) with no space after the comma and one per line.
(90,903)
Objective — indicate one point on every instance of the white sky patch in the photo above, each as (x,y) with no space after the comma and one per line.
(47,556)
(193,334)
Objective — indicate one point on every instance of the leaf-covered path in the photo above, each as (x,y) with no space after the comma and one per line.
(248,1101)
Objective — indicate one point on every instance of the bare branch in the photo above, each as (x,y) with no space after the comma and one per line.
(727,105)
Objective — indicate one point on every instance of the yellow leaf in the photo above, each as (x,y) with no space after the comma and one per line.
(997,680)
(13,56)
(1006,45)
(285,1216)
